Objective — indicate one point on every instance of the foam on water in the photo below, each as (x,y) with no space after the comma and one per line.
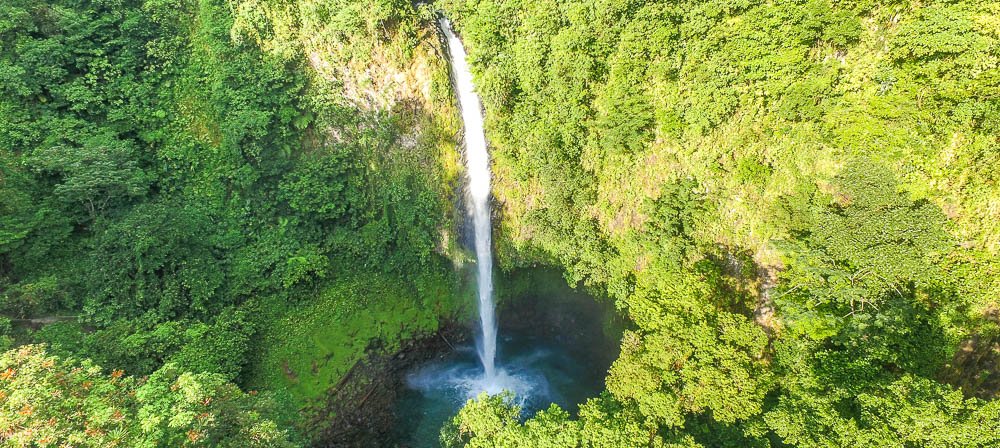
(461,381)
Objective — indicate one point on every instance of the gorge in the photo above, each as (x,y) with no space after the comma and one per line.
(696,224)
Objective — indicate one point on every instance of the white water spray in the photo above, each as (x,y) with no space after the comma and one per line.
(477,163)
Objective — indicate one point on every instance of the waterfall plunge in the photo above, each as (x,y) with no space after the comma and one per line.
(446,385)
(478,168)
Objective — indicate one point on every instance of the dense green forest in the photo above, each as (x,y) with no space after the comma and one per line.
(201,206)
(211,210)
(795,204)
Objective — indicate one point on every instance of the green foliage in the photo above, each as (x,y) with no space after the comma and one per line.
(751,171)
(787,200)
(909,410)
(693,368)
(156,261)
(868,242)
(36,297)
(877,232)
(6,334)
(493,421)
(92,176)
(50,401)
(922,412)
(307,349)
(167,167)
(220,348)
(53,401)
(184,409)
(318,187)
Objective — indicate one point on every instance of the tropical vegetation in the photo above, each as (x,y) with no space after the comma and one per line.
(212,210)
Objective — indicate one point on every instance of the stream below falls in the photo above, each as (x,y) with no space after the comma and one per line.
(555,346)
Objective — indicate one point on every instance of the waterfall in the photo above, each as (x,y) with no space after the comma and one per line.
(477,162)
